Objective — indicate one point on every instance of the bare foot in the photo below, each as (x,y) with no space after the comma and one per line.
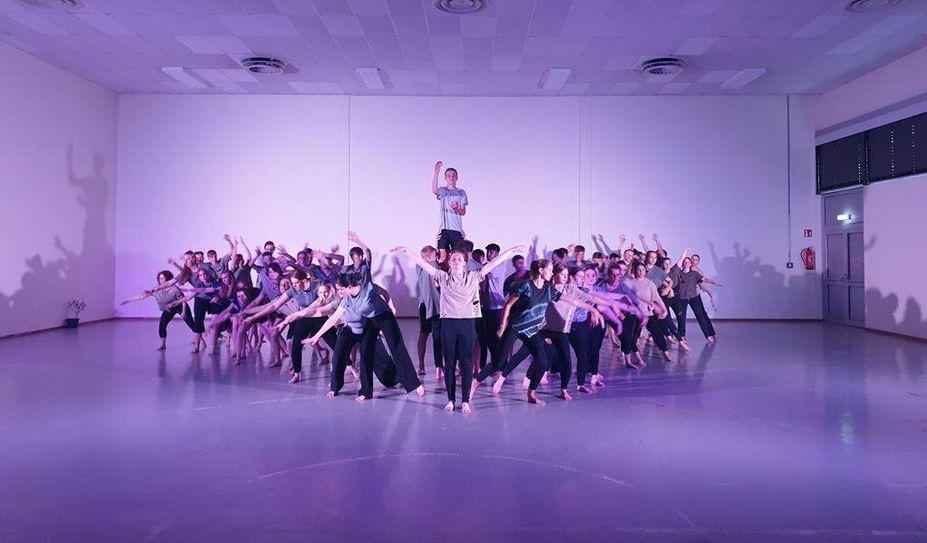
(420,390)
(667,357)
(712,339)
(583,389)
(449,407)
(275,364)
(439,374)
(421,370)
(295,378)
(466,408)
(525,383)
(162,347)
(533,398)
(473,387)
(544,380)
(360,398)
(497,386)
(598,380)
(564,395)
(684,345)
(640,360)
(330,394)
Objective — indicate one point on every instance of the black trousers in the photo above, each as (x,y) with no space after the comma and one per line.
(385,323)
(200,308)
(671,329)
(558,355)
(489,341)
(630,333)
(581,341)
(657,329)
(596,338)
(704,322)
(300,329)
(535,346)
(457,338)
(167,316)
(383,365)
(432,326)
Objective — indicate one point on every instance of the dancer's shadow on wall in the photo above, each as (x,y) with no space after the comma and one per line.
(74,272)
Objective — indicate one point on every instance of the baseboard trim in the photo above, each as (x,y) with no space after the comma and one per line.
(59,327)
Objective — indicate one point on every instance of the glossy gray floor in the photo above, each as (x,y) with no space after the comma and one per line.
(781,432)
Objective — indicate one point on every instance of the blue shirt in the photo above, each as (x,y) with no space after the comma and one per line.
(450,219)
(531,307)
(304,298)
(368,302)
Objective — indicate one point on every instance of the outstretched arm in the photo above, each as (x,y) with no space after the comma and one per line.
(269,308)
(136,298)
(682,257)
(503,257)
(331,321)
(434,180)
(352,236)
(621,239)
(426,266)
(660,250)
(594,314)
(248,258)
(643,243)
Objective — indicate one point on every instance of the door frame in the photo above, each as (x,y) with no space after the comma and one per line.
(845,230)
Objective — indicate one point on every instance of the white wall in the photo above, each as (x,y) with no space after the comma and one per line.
(895,224)
(893,210)
(697,170)
(58,168)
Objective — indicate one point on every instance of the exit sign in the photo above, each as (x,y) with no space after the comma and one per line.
(807,232)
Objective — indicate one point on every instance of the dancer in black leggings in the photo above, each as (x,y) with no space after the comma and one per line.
(460,308)
(165,297)
(366,301)
(650,303)
(688,296)
(522,318)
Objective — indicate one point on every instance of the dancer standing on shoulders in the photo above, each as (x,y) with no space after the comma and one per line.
(453,206)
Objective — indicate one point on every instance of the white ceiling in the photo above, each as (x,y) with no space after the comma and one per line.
(799,46)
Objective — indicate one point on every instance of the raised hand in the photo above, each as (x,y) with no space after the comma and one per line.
(438,165)
(227,237)
(622,238)
(400,249)
(352,236)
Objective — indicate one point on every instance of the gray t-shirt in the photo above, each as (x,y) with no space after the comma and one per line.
(687,287)
(646,293)
(450,219)
(166,296)
(559,314)
(304,298)
(368,302)
(353,321)
(460,296)
(657,275)
(495,280)
(427,292)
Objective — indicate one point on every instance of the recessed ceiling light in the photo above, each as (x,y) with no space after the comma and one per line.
(263,65)
(663,65)
(460,7)
(56,4)
(864,6)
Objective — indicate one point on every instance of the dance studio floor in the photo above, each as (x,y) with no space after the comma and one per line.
(781,432)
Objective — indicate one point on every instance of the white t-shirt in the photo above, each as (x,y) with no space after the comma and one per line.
(460,295)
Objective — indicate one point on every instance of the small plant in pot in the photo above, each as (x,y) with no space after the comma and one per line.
(75,307)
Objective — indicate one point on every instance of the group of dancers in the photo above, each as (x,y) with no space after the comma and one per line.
(473,312)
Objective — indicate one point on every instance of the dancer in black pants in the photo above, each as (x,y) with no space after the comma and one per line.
(651,305)
(522,318)
(205,286)
(165,297)
(688,295)
(366,301)
(460,308)
(558,321)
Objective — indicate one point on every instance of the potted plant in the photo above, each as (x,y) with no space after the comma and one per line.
(74,310)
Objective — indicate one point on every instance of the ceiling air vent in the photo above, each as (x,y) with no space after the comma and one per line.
(460,7)
(865,6)
(263,65)
(663,66)
(67,5)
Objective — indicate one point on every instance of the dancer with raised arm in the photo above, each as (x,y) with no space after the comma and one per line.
(164,298)
(460,307)
(453,206)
